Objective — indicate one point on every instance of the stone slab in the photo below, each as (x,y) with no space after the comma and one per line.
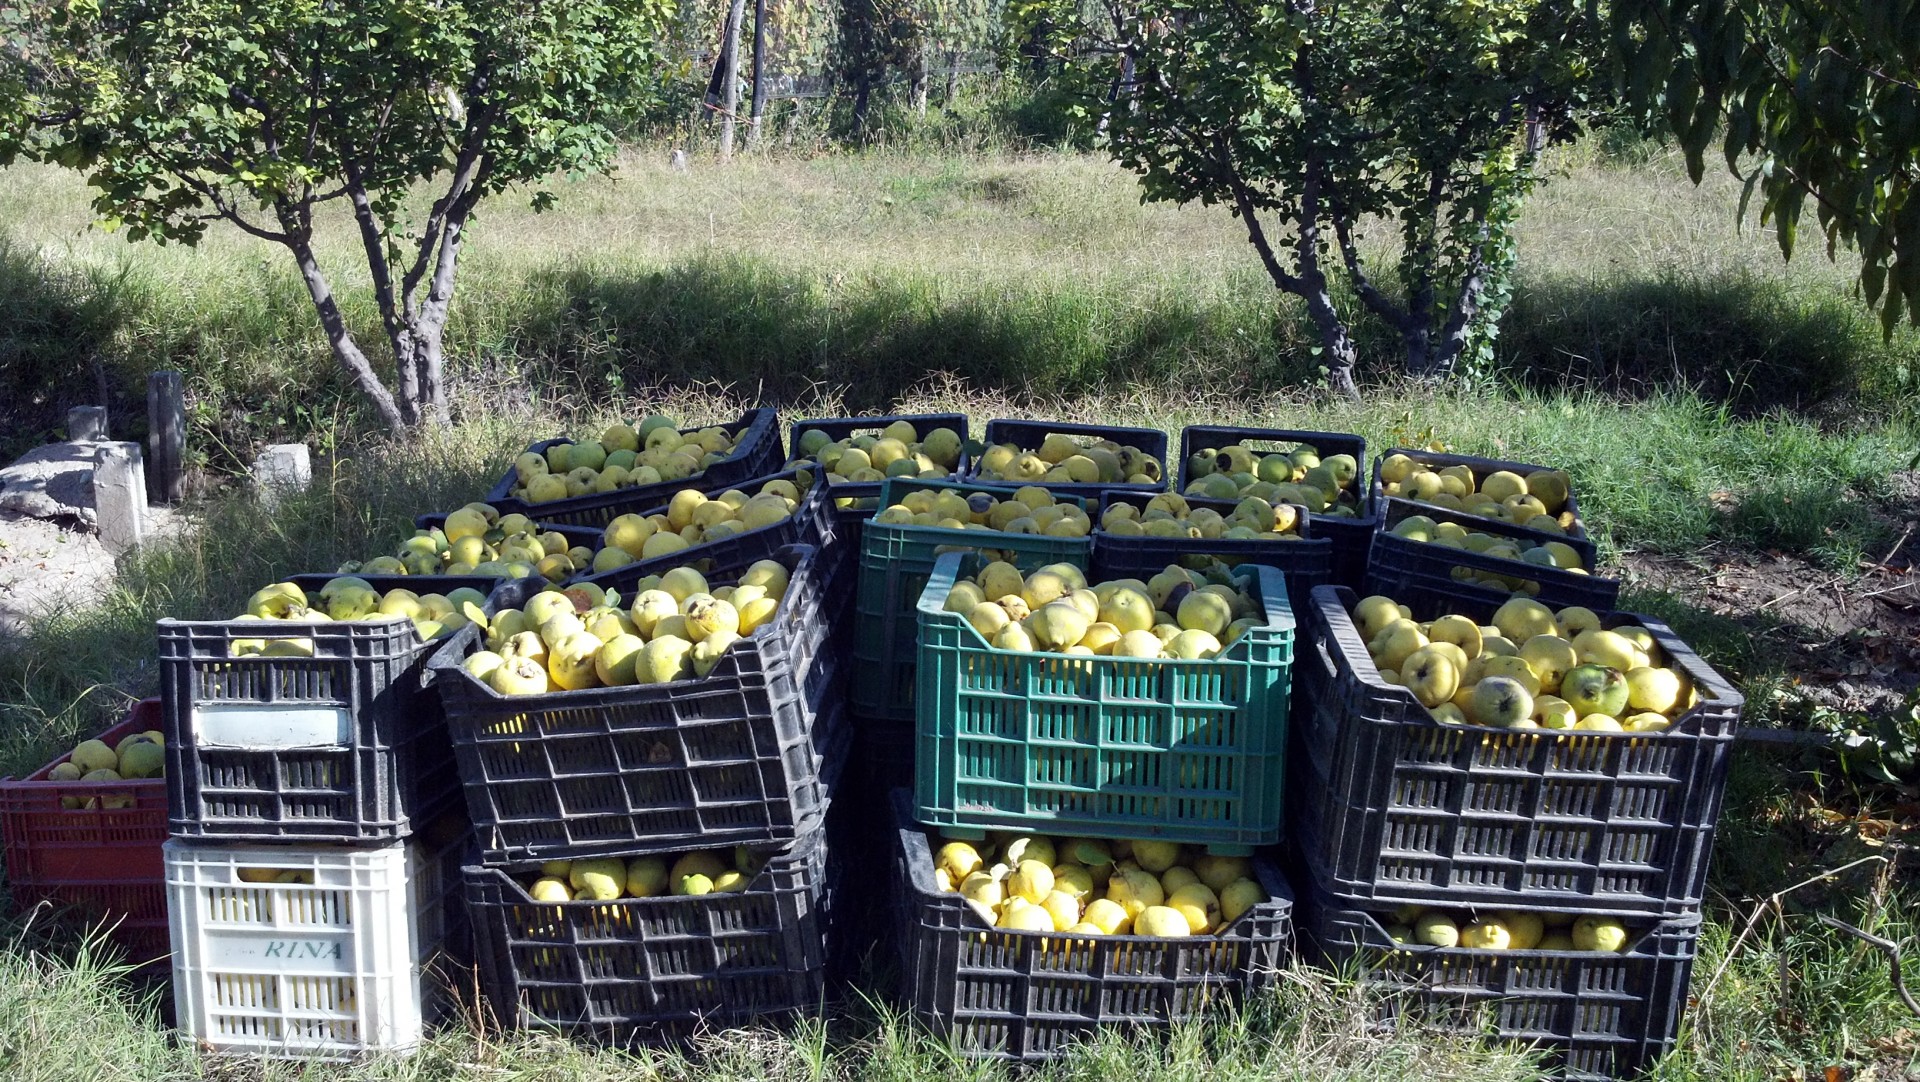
(53,481)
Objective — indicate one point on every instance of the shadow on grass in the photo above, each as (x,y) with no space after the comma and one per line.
(744,323)
(54,335)
(1754,343)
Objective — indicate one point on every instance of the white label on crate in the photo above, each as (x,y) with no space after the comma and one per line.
(267,725)
(280,952)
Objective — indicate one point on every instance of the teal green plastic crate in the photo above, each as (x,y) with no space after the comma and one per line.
(894,564)
(1106,747)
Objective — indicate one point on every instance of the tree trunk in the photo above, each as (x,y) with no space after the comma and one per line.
(340,339)
(1336,346)
(730,85)
(920,79)
(759,73)
(862,95)
(953,77)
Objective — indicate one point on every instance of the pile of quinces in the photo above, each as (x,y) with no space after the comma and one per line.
(692,518)
(1537,501)
(623,457)
(349,597)
(137,755)
(1507,930)
(478,540)
(1063,459)
(1326,486)
(1169,515)
(609,879)
(1554,555)
(1029,510)
(1175,614)
(1084,886)
(898,451)
(677,627)
(1532,668)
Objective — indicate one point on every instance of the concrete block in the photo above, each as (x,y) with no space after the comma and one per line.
(120,496)
(282,468)
(87,423)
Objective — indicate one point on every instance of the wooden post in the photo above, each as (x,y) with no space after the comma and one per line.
(166,435)
(759,72)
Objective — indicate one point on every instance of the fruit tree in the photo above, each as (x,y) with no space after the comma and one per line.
(1307,119)
(1811,103)
(261,114)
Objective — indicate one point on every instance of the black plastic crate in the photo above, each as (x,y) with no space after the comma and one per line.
(1481,467)
(1350,538)
(343,746)
(756,453)
(1400,563)
(1404,809)
(732,757)
(657,970)
(1597,1016)
(1027,435)
(1307,562)
(1027,996)
(810,524)
(854,502)
(840,428)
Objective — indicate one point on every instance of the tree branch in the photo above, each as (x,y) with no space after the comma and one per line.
(229,212)
(466,172)
(1256,234)
(1379,302)
(373,238)
(267,129)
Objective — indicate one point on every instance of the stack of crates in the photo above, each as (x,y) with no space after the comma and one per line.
(896,559)
(1396,817)
(739,764)
(314,822)
(1088,747)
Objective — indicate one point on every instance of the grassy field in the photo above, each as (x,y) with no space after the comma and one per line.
(1705,397)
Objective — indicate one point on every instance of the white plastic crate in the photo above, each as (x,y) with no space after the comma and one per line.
(321,971)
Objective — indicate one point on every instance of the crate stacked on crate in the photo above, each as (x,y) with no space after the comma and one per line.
(1072,459)
(651,824)
(1261,461)
(899,546)
(312,807)
(1137,780)
(1520,847)
(729,526)
(935,444)
(634,466)
(86,844)
(1139,535)
(1454,524)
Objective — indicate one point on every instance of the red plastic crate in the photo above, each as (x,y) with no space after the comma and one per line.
(102,863)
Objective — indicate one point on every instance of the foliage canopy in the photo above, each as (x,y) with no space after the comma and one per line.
(260,113)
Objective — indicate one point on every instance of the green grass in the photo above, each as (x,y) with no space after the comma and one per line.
(1028,275)
(1701,393)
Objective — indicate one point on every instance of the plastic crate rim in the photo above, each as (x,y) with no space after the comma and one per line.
(1273,597)
(448,657)
(1333,609)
